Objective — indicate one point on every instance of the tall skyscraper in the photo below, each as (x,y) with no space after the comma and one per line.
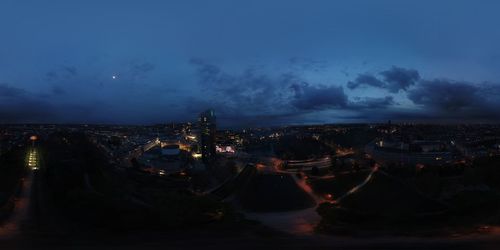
(208,129)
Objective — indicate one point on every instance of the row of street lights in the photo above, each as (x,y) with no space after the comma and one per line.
(33,156)
(33,159)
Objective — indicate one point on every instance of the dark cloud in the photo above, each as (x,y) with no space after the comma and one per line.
(490,90)
(445,95)
(373,103)
(8,91)
(253,93)
(250,90)
(437,100)
(394,79)
(21,106)
(257,120)
(26,110)
(320,97)
(365,79)
(210,75)
(257,96)
(395,114)
(460,100)
(398,78)
(288,96)
(18,105)
(234,117)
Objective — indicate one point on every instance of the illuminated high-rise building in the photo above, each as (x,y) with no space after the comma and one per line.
(207,135)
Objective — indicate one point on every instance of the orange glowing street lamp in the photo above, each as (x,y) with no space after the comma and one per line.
(33,138)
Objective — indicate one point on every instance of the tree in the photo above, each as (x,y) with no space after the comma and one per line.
(135,163)
(315,171)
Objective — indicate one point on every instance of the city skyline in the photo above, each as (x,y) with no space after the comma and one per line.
(276,63)
(249,124)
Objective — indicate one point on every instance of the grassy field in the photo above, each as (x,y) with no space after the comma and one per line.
(383,204)
(274,193)
(387,197)
(338,185)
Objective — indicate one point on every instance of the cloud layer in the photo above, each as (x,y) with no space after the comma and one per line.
(253,96)
(459,100)
(395,79)
(290,95)
(18,105)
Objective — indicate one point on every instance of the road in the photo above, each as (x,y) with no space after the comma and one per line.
(20,216)
(307,165)
(299,222)
(359,186)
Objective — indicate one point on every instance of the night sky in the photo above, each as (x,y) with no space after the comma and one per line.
(257,63)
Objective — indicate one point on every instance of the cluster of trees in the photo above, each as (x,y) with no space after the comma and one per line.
(12,169)
(294,148)
(469,196)
(352,138)
(89,192)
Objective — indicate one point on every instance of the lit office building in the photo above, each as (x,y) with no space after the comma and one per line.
(207,135)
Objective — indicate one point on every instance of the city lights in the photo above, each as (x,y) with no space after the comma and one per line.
(250,124)
(33,160)
(225,149)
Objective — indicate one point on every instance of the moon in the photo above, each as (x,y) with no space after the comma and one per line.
(114,77)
